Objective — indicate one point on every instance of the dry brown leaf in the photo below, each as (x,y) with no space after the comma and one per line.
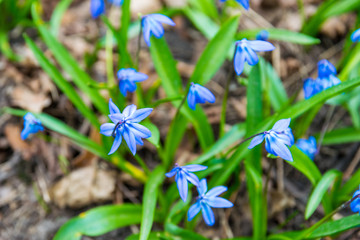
(12,133)
(24,98)
(333,27)
(83,187)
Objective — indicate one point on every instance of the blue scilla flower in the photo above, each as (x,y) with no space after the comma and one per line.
(262,35)
(355,204)
(126,124)
(325,69)
(183,175)
(97,7)
(152,25)
(199,94)
(31,125)
(244,3)
(277,139)
(127,79)
(312,86)
(206,200)
(355,36)
(246,52)
(307,146)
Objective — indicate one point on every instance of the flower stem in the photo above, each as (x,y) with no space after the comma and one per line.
(326,126)
(224,105)
(244,140)
(139,46)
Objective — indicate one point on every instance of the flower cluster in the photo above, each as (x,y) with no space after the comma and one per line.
(326,79)
(206,199)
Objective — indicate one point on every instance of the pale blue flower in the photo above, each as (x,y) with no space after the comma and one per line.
(183,175)
(126,124)
(199,94)
(128,79)
(277,140)
(355,36)
(152,25)
(244,3)
(246,52)
(308,146)
(31,125)
(207,200)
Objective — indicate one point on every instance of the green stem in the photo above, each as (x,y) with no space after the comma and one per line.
(300,4)
(142,164)
(139,46)
(224,106)
(165,100)
(109,58)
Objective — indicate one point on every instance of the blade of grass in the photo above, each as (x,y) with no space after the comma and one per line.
(57,15)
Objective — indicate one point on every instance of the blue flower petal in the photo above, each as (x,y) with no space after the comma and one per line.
(107,129)
(163,19)
(172,172)
(239,62)
(218,202)
(202,188)
(97,7)
(129,110)
(139,130)
(244,3)
(281,125)
(139,115)
(208,214)
(182,185)
(117,117)
(256,141)
(116,142)
(280,149)
(113,108)
(215,191)
(355,36)
(194,167)
(261,46)
(191,177)
(130,140)
(146,30)
(191,99)
(193,210)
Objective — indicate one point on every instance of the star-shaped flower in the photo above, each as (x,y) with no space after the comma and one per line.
(199,94)
(126,124)
(127,79)
(152,25)
(206,200)
(31,125)
(308,146)
(277,139)
(246,52)
(183,175)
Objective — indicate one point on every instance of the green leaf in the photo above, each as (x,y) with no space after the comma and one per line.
(206,6)
(215,52)
(64,85)
(155,133)
(152,236)
(183,234)
(350,186)
(69,64)
(171,81)
(99,221)
(149,201)
(341,136)
(280,35)
(202,22)
(319,192)
(57,15)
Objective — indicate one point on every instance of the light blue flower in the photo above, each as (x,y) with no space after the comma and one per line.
(308,146)
(126,124)
(184,175)
(246,52)
(127,79)
(97,7)
(206,200)
(31,125)
(199,94)
(325,69)
(355,204)
(244,3)
(355,36)
(277,139)
(312,87)
(262,35)
(152,25)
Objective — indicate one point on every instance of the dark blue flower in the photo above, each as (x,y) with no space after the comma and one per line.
(355,204)
(277,139)
(199,94)
(262,35)
(31,125)
(206,200)
(355,36)
(127,79)
(246,52)
(152,25)
(244,3)
(126,124)
(307,146)
(183,176)
(325,69)
(312,87)
(97,7)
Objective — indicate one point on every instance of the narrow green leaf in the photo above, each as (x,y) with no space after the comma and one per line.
(202,22)
(206,6)
(149,201)
(280,35)
(64,85)
(341,136)
(183,234)
(125,58)
(57,15)
(155,133)
(152,236)
(319,192)
(215,52)
(99,221)
(350,186)
(60,127)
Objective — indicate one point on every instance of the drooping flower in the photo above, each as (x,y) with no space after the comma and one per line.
(152,25)
(97,7)
(308,146)
(31,125)
(277,140)
(262,35)
(355,204)
(355,36)
(207,200)
(325,69)
(244,3)
(126,124)
(246,52)
(312,87)
(127,79)
(183,175)
(199,94)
